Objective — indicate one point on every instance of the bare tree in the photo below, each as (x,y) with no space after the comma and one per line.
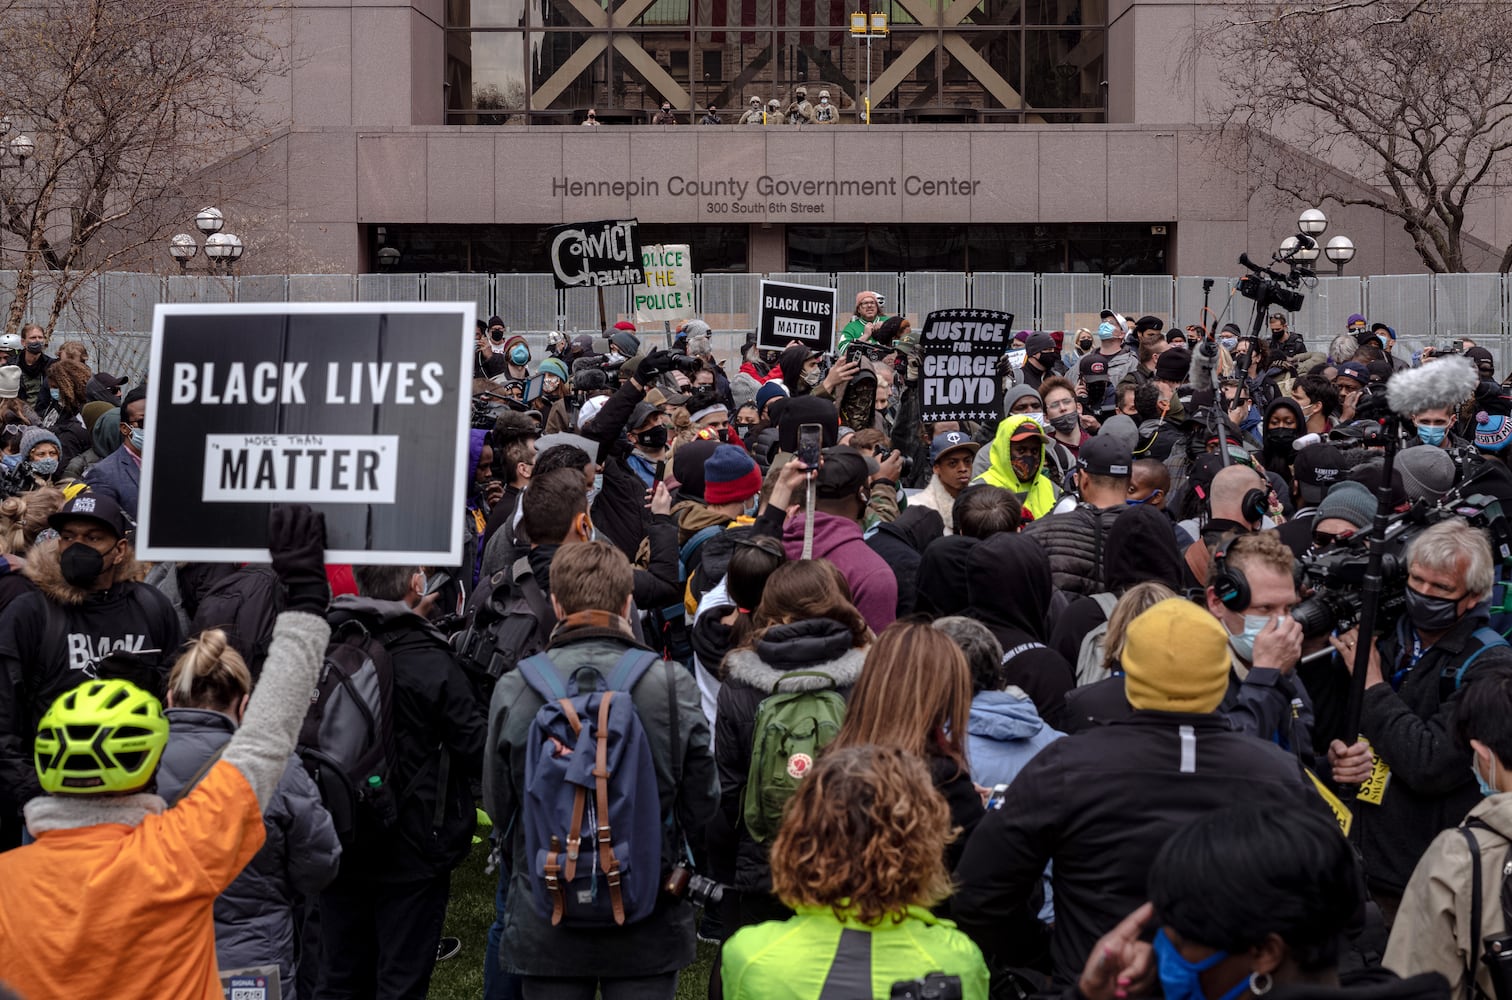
(1404,106)
(125,100)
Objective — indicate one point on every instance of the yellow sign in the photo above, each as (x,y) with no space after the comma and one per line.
(1341,812)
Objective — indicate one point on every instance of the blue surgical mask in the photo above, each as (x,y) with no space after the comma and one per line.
(45,466)
(1180,979)
(138,439)
(598,486)
(519,354)
(752,507)
(1487,789)
(1385,341)
(1228,343)
(54,393)
(1432,435)
(1149,499)
(1244,642)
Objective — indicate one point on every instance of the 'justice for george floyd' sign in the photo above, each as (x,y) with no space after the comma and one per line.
(358,409)
(959,351)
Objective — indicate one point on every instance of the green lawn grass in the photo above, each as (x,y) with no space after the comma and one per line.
(468,917)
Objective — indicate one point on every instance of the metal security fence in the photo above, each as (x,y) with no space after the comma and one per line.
(113,311)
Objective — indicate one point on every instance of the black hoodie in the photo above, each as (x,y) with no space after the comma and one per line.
(1278,456)
(941,583)
(1141,546)
(902,543)
(1008,582)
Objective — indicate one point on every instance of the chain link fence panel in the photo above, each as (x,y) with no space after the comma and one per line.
(580,306)
(526,302)
(126,301)
(262,288)
(730,301)
(926,291)
(1189,301)
(199,288)
(1403,302)
(1069,301)
(474,288)
(849,284)
(321,288)
(1136,295)
(1006,291)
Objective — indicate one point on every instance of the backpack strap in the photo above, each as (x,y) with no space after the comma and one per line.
(631,667)
(540,675)
(607,861)
(540,607)
(691,546)
(1472,960)
(1489,639)
(198,776)
(1107,602)
(777,684)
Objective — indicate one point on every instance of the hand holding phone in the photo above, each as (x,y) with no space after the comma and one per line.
(810,438)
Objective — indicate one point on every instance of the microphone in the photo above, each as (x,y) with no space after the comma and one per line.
(1306,441)
(1441,384)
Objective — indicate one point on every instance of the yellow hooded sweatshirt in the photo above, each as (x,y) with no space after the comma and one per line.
(1038,494)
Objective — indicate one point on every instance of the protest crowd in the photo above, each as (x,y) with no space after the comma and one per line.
(951,662)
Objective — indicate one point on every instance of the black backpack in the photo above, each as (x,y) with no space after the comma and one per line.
(1498,950)
(510,619)
(347,740)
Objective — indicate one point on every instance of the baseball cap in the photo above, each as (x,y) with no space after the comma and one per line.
(640,415)
(950,441)
(1093,368)
(660,397)
(843,471)
(1354,370)
(1317,467)
(92,507)
(1379,371)
(1029,430)
(1105,456)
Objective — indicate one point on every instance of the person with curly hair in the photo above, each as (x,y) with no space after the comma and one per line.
(860,859)
(62,410)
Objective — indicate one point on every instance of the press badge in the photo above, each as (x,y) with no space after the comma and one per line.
(1374,788)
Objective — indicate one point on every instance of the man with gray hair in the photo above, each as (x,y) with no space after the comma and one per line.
(1413,685)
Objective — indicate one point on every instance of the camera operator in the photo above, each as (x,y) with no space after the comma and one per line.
(1283,341)
(1414,681)
(1251,592)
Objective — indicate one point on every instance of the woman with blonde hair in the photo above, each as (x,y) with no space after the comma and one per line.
(915,694)
(809,637)
(208,690)
(860,852)
(22,519)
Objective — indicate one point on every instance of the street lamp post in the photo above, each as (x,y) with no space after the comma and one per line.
(222,250)
(1341,251)
(1312,223)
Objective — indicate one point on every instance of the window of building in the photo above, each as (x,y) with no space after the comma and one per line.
(508,62)
(522,249)
(1107,248)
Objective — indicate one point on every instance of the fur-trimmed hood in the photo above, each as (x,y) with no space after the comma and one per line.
(818,645)
(42,568)
(71,812)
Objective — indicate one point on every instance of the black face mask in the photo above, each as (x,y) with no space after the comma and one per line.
(654,439)
(1432,614)
(81,564)
(1047,359)
(33,348)
(1280,439)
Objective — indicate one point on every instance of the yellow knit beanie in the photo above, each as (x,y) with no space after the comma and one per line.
(1176,659)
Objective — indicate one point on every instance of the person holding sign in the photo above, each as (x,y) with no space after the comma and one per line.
(115,897)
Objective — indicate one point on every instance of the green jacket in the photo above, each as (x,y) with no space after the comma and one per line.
(795,959)
(854,329)
(663,942)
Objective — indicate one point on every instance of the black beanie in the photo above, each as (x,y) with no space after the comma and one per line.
(688,467)
(807,410)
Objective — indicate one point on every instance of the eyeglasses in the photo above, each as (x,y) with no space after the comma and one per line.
(1323,539)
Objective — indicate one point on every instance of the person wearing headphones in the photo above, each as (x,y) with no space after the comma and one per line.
(1251,591)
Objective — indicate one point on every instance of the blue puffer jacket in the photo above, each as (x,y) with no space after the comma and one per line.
(254,917)
(1005,732)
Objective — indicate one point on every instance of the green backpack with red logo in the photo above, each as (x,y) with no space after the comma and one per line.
(792,727)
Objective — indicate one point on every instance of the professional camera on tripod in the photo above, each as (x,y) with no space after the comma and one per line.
(1267,287)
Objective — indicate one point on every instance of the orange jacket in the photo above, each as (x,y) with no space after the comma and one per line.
(122,911)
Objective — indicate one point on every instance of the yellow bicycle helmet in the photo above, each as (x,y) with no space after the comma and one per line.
(100,737)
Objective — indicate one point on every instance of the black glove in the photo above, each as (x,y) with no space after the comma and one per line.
(654,364)
(296,539)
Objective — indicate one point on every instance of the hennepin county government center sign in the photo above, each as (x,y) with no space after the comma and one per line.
(736,195)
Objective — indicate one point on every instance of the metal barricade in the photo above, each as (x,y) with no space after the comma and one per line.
(1006,291)
(1136,295)
(526,302)
(1069,301)
(926,291)
(452,287)
(1403,302)
(321,288)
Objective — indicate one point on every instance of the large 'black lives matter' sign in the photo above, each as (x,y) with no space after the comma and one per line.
(799,313)
(358,409)
(959,351)
(594,254)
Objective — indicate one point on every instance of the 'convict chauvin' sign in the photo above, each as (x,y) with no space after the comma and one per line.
(359,409)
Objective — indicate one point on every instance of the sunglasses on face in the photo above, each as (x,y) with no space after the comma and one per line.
(1323,539)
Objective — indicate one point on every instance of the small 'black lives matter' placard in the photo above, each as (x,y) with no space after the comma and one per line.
(960,349)
(799,313)
(595,254)
(358,409)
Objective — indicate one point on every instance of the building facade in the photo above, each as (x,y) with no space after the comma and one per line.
(1009,135)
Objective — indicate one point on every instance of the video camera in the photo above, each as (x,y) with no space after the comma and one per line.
(1338,574)
(1267,288)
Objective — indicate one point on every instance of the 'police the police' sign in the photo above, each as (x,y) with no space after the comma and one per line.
(359,409)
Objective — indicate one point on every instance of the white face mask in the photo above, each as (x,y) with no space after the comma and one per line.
(424,583)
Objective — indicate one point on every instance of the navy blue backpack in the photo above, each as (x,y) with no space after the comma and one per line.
(592,810)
